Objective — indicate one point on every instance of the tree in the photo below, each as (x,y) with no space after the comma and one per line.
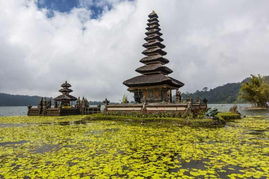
(255,91)
(205,89)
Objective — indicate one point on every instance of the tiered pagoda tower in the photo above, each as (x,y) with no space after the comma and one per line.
(65,98)
(154,84)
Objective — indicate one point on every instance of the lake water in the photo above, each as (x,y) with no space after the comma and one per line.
(241,109)
(13,110)
(22,110)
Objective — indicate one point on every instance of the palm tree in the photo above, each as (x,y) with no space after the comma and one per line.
(255,91)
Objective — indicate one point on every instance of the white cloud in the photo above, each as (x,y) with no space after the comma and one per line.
(208,42)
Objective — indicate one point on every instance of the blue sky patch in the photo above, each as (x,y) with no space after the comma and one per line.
(95,6)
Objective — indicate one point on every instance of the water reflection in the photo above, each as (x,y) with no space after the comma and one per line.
(13,143)
(46,148)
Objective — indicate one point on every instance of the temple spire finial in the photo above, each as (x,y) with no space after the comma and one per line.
(153,14)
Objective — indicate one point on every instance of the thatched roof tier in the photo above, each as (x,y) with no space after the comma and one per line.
(154,26)
(66,85)
(153,23)
(153,14)
(153,37)
(154,79)
(65,90)
(154,50)
(153,19)
(154,31)
(154,59)
(66,97)
(152,43)
(154,69)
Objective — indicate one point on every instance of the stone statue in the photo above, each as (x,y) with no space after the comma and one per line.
(144,99)
(55,104)
(106,102)
(205,101)
(233,109)
(144,107)
(168,96)
(178,96)
(188,112)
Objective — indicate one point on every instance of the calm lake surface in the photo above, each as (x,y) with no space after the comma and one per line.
(13,110)
(22,110)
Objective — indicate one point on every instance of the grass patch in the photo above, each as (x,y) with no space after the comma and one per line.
(167,120)
(39,119)
(228,116)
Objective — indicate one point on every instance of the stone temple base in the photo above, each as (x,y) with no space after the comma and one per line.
(62,111)
(155,108)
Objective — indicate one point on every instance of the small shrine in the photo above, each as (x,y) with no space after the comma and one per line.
(63,105)
(154,84)
(65,99)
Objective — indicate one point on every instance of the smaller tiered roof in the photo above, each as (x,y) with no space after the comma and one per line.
(65,97)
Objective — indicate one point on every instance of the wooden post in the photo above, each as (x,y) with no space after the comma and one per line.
(170,96)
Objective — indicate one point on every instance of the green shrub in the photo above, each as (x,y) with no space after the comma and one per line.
(145,115)
(146,118)
(228,116)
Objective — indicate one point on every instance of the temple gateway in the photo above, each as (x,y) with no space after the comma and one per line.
(154,84)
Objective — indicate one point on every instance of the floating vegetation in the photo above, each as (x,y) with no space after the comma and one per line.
(77,146)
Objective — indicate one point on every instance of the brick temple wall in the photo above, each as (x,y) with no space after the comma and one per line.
(154,108)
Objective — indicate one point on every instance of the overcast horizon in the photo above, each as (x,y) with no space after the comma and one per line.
(96,44)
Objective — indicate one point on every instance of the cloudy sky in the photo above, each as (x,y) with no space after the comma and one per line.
(97,44)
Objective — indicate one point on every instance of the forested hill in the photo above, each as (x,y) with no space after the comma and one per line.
(18,100)
(227,93)
(24,100)
(222,94)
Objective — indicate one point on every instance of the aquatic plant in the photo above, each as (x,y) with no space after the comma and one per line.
(76,146)
(228,116)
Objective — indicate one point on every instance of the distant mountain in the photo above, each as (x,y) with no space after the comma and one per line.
(24,100)
(18,100)
(222,94)
(227,93)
